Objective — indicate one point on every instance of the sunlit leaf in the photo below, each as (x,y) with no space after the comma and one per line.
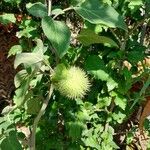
(98,13)
(7,18)
(11,142)
(27,58)
(58,34)
(37,9)
(94,38)
(15,50)
(119,100)
(95,66)
(30,59)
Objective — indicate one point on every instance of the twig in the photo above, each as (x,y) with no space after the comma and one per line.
(112,105)
(143,31)
(116,36)
(136,26)
(49,7)
(123,45)
(64,10)
(37,119)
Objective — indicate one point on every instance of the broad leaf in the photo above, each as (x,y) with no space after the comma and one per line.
(92,142)
(76,2)
(30,59)
(15,50)
(103,102)
(58,34)
(111,84)
(98,13)
(13,1)
(75,130)
(94,38)
(135,56)
(11,142)
(19,77)
(37,9)
(118,116)
(95,66)
(119,100)
(29,106)
(134,5)
(7,18)
(21,92)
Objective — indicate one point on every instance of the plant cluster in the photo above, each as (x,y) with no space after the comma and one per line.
(83,75)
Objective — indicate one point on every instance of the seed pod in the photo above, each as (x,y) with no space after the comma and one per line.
(73,83)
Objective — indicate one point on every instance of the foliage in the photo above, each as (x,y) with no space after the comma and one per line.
(106,40)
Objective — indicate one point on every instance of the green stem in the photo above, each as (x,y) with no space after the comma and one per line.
(64,10)
(37,119)
(49,7)
(116,36)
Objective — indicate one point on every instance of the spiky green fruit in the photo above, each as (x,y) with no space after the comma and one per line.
(73,83)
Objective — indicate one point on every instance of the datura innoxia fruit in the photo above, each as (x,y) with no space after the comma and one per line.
(73,82)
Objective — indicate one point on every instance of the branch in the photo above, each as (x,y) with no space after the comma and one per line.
(116,36)
(49,7)
(143,31)
(64,10)
(112,105)
(37,119)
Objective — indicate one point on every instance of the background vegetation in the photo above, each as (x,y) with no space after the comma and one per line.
(109,40)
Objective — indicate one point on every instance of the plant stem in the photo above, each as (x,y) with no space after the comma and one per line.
(143,31)
(64,10)
(123,45)
(116,36)
(37,119)
(49,7)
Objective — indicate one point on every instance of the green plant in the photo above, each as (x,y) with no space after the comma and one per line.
(97,36)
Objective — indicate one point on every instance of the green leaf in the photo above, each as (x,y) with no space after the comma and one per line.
(58,34)
(30,59)
(15,50)
(103,102)
(94,38)
(37,9)
(98,13)
(95,66)
(135,56)
(145,86)
(21,92)
(29,32)
(76,2)
(111,84)
(32,106)
(11,142)
(7,18)
(134,5)
(60,72)
(75,130)
(119,100)
(91,141)
(83,115)
(13,1)
(39,47)
(19,77)
(118,116)
(4,124)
